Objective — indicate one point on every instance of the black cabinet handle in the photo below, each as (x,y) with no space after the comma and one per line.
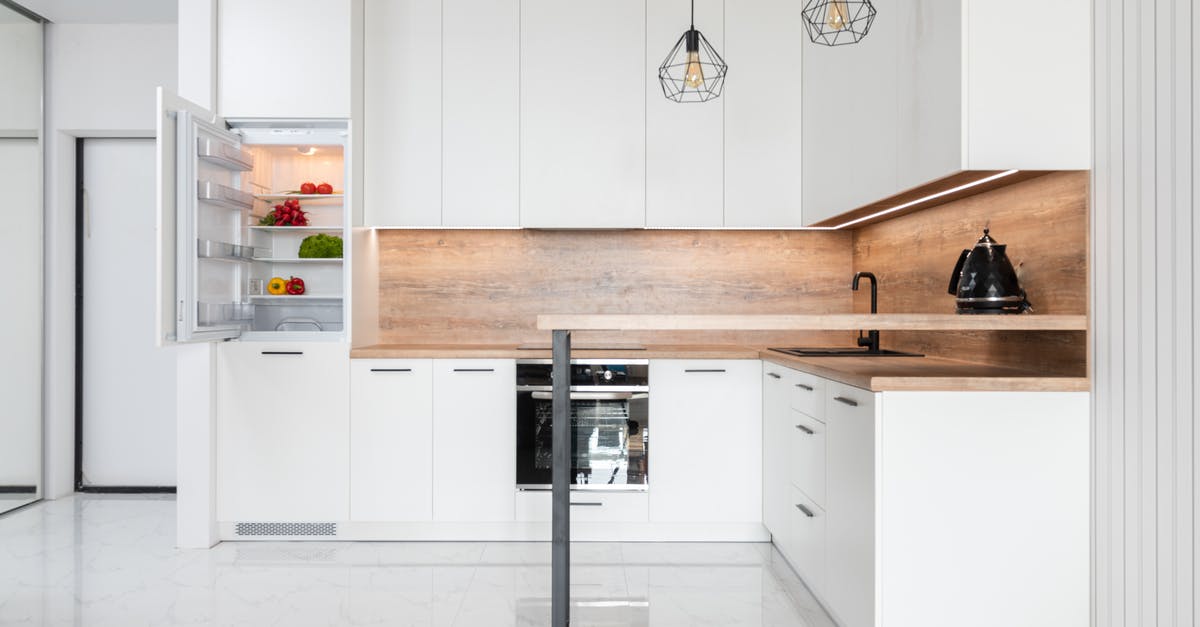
(704,370)
(283,352)
(391,369)
(805,429)
(774,375)
(848,401)
(807,512)
(804,386)
(474,370)
(587,504)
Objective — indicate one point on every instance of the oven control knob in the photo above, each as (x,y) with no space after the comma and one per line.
(608,375)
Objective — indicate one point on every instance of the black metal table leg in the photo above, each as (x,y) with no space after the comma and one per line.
(560,562)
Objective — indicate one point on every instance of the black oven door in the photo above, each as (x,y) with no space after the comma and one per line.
(610,440)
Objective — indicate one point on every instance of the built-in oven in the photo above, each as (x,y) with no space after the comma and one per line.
(610,424)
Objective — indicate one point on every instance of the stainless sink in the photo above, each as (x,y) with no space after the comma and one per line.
(842,352)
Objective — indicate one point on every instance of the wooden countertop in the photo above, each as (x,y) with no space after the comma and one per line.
(811,322)
(878,374)
(512,351)
(884,374)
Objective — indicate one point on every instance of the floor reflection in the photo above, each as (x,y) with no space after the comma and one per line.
(105,560)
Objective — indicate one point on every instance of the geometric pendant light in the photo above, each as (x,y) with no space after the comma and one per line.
(838,22)
(693,71)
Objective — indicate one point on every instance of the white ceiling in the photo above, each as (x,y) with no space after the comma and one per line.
(104,11)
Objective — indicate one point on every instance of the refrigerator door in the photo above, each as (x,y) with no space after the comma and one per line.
(201,215)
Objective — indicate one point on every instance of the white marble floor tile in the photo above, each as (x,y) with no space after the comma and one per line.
(100,561)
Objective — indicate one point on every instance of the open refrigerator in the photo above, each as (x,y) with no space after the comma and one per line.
(217,181)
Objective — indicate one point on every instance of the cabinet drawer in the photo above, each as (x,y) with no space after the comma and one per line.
(806,456)
(535,506)
(847,400)
(807,552)
(808,394)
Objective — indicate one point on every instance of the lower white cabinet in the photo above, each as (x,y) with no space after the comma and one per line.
(777,431)
(705,441)
(849,575)
(807,538)
(474,440)
(939,509)
(283,432)
(391,440)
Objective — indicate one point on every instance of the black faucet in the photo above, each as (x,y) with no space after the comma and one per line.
(871,341)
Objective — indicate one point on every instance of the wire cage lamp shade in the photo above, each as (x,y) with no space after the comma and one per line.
(693,71)
(838,22)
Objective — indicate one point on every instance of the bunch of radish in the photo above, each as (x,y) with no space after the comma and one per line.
(287,214)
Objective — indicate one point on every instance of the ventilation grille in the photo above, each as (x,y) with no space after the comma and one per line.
(286,529)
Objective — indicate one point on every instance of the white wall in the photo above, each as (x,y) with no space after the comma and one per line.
(100,82)
(1145,313)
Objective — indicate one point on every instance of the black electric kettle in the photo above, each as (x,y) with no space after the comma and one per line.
(985,282)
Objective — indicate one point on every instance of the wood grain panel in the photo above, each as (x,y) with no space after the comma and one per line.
(1044,222)
(467,286)
(824,322)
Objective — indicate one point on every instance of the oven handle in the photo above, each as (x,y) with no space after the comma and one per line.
(592,396)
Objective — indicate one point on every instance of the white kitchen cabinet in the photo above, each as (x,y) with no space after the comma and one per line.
(391,440)
(706,441)
(586,507)
(283,59)
(764,45)
(583,114)
(474,440)
(685,159)
(808,531)
(480,112)
(806,454)
(914,528)
(402,113)
(849,575)
(937,88)
(776,425)
(283,432)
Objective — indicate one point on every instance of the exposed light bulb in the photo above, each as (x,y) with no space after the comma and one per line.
(694,76)
(838,17)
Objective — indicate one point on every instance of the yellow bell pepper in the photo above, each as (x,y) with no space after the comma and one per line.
(277,285)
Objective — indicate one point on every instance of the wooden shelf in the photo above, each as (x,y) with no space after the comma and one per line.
(811,322)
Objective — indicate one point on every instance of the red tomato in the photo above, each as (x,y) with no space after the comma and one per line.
(324,188)
(308,188)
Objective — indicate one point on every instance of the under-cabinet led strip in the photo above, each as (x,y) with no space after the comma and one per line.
(918,201)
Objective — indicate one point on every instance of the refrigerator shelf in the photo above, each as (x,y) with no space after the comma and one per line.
(224,251)
(223,154)
(223,195)
(321,260)
(295,297)
(269,197)
(310,229)
(221,314)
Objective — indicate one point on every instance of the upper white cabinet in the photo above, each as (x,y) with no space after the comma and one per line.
(939,87)
(480,112)
(474,440)
(283,58)
(402,110)
(685,158)
(707,462)
(764,45)
(440,102)
(583,113)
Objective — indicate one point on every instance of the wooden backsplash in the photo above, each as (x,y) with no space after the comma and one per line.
(471,286)
(1044,222)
